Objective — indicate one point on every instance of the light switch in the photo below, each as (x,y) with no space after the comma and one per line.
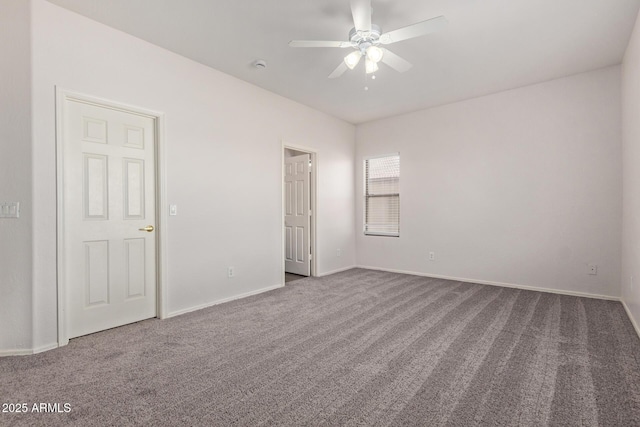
(173,210)
(9,209)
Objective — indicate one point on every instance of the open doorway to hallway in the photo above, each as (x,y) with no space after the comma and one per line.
(299,207)
(290,277)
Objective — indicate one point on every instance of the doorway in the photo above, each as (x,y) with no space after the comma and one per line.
(108,216)
(300,172)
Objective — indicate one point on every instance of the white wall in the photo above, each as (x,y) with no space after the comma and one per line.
(631,175)
(224,148)
(15,175)
(521,187)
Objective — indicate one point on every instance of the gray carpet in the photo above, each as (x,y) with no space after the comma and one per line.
(355,348)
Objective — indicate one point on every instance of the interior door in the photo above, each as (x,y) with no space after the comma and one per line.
(297,215)
(109,217)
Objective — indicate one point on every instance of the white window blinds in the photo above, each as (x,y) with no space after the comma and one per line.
(382,196)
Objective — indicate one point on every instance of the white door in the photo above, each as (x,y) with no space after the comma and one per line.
(109,216)
(296,215)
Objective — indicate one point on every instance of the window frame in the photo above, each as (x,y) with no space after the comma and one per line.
(367,196)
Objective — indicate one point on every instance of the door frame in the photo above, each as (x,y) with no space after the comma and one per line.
(62,97)
(313,187)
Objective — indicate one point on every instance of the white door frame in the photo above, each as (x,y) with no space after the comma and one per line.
(62,96)
(314,203)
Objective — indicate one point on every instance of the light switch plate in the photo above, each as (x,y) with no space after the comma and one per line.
(9,209)
(173,210)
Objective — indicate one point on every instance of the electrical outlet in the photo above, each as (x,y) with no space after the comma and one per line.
(339,252)
(231,272)
(432,256)
(9,209)
(593,269)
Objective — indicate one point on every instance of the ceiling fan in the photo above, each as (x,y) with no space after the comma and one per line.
(366,38)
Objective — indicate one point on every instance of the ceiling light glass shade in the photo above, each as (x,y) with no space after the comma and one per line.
(370,66)
(374,53)
(352,59)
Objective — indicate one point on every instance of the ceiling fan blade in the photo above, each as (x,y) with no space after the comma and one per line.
(394,61)
(340,69)
(415,30)
(318,43)
(361,11)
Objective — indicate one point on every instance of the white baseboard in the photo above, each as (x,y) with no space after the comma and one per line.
(339,270)
(28,352)
(45,348)
(21,352)
(220,301)
(504,285)
(633,320)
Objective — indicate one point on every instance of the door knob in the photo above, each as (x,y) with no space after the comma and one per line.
(148,228)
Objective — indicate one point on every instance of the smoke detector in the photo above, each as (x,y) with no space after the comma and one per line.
(260,64)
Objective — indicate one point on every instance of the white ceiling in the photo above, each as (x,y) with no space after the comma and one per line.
(488,46)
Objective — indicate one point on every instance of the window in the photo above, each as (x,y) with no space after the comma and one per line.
(382,196)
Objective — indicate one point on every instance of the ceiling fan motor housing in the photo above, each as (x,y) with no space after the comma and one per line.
(363,39)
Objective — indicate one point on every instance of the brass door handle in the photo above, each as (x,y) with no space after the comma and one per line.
(148,228)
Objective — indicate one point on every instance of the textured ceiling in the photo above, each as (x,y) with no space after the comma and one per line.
(488,46)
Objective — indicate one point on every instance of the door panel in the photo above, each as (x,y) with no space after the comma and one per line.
(135,255)
(109,194)
(300,246)
(95,187)
(288,238)
(288,188)
(133,188)
(96,273)
(297,215)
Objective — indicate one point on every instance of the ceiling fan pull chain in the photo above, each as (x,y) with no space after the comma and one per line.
(365,82)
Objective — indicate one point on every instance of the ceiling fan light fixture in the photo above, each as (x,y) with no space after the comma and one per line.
(352,59)
(370,66)
(374,53)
